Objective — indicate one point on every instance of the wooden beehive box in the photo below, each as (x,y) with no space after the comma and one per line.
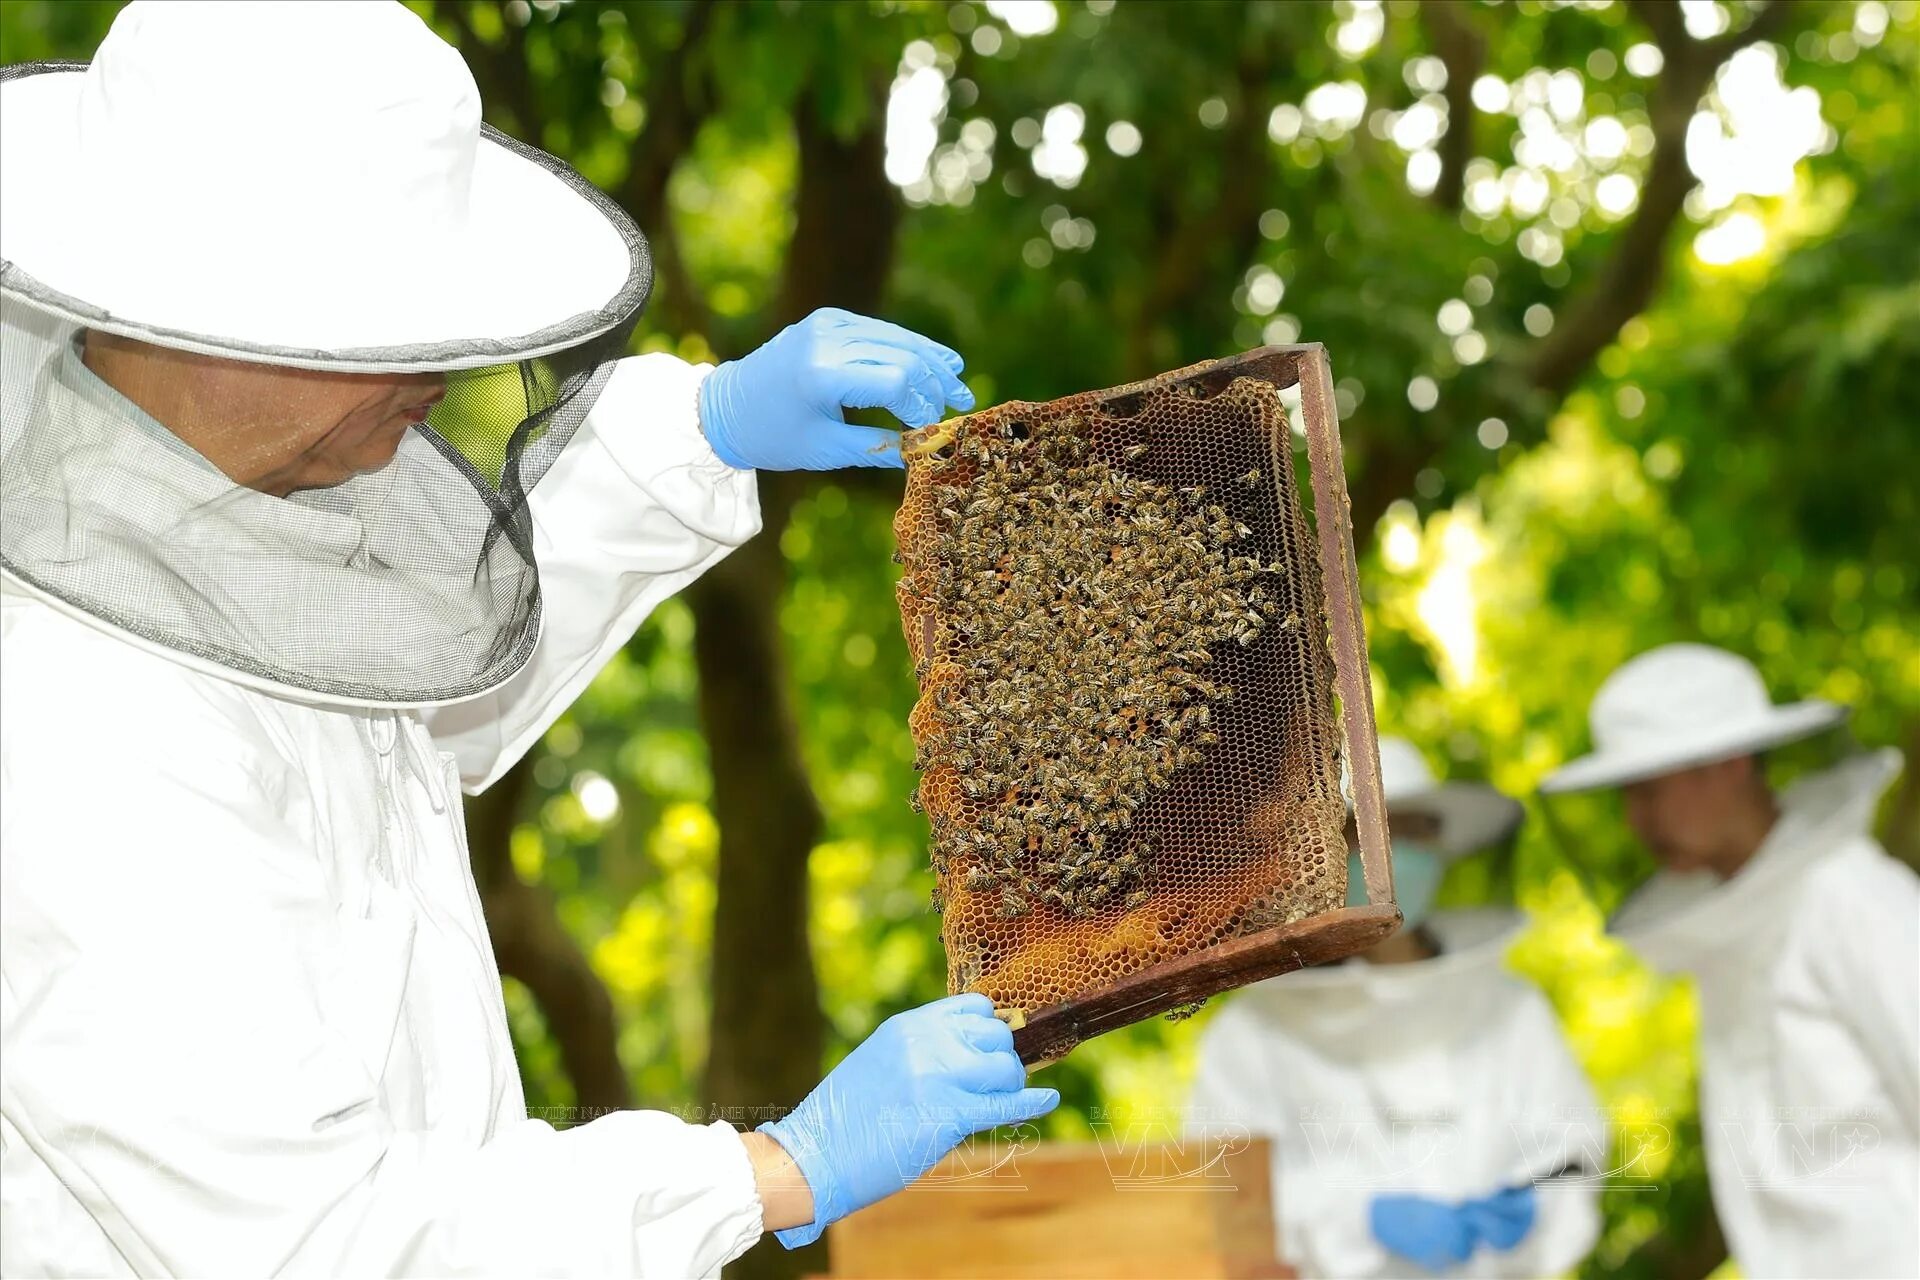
(1108,1209)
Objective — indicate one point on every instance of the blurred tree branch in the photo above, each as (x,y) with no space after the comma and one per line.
(1625,285)
(499,69)
(678,98)
(1464,51)
(1627,281)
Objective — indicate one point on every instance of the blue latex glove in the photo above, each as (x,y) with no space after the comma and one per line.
(779,409)
(924,1080)
(1430,1233)
(1502,1219)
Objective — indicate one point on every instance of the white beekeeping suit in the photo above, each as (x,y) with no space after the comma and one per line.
(1445,1079)
(1808,969)
(325,486)
(339,980)
(1803,937)
(318,984)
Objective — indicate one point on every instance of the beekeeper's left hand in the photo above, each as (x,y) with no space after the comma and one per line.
(924,1081)
(779,408)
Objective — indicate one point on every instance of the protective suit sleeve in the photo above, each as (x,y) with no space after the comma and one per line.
(636,507)
(186,1049)
(1861,937)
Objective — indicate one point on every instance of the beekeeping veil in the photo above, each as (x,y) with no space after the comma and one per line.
(305,186)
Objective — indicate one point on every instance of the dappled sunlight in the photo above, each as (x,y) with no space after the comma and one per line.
(1447,603)
(1733,239)
(1026,17)
(1761,131)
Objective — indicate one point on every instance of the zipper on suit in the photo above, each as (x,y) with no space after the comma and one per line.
(381,732)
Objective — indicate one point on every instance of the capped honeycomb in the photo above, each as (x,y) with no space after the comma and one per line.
(1125,727)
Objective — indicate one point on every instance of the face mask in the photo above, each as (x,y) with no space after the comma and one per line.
(1417,870)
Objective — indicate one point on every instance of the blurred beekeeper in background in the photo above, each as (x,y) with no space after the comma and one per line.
(326,488)
(1414,1096)
(1803,937)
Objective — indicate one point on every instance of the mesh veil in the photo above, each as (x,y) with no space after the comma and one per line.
(413,583)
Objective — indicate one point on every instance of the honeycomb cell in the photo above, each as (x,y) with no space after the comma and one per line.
(1125,724)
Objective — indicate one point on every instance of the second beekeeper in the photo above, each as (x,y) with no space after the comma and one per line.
(1424,1111)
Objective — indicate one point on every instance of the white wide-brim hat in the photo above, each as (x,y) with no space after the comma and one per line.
(299,182)
(1679,706)
(1471,815)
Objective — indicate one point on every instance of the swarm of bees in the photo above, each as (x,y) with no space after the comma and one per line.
(1080,607)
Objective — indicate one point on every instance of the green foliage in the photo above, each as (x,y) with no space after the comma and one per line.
(1737,466)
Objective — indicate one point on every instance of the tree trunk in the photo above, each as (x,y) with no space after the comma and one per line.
(766,1023)
(531,945)
(767,1032)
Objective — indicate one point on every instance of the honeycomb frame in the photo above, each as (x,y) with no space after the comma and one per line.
(1287,912)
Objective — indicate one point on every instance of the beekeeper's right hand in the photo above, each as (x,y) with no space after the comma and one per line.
(924,1080)
(781,407)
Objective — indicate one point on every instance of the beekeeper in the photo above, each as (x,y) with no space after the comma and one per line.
(326,488)
(1803,937)
(1424,1111)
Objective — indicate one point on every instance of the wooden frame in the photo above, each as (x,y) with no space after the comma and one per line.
(1050,1032)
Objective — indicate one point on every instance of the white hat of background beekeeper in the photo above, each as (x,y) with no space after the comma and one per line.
(1471,815)
(1679,706)
(303,182)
